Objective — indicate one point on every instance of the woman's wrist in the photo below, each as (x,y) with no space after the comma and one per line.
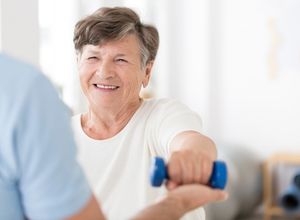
(167,208)
(173,205)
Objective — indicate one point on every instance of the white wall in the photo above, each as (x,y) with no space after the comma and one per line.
(58,60)
(19,29)
(259,75)
(188,47)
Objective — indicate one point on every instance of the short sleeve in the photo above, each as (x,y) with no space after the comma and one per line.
(171,118)
(51,183)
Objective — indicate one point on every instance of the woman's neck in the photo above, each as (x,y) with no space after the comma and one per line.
(100,123)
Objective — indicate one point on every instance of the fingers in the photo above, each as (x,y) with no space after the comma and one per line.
(182,169)
(185,167)
(197,171)
(206,170)
(176,169)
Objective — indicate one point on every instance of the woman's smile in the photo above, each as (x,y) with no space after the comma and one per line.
(104,87)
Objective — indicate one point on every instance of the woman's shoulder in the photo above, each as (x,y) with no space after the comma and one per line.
(161,102)
(164,104)
(164,107)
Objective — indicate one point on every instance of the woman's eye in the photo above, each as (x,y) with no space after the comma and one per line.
(122,60)
(92,58)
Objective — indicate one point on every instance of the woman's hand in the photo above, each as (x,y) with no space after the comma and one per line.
(191,160)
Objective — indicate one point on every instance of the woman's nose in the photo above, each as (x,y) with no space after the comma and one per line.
(105,70)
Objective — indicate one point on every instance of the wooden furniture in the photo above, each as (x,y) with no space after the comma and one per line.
(271,208)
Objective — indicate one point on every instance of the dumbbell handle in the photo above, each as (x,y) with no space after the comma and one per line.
(159,173)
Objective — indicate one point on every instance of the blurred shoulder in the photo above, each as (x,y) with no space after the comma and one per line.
(18,77)
(14,69)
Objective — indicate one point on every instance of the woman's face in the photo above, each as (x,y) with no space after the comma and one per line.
(111,75)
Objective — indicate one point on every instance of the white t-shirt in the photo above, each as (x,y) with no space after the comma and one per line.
(118,168)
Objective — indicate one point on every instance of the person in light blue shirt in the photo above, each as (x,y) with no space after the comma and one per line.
(38,171)
(39,176)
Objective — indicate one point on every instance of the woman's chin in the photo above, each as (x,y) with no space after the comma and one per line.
(107,103)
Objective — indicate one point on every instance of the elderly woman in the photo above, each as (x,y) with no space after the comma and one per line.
(121,132)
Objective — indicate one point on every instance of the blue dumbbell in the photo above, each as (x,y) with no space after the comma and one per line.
(159,173)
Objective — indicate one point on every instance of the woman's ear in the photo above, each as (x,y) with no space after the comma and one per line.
(148,71)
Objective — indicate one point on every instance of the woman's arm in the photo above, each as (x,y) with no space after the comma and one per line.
(180,201)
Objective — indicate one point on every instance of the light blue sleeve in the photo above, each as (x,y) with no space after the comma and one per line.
(52,184)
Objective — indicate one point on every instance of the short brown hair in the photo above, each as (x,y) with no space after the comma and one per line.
(108,24)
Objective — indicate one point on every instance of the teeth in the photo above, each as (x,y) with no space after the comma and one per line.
(106,86)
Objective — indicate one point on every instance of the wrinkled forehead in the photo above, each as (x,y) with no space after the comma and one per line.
(128,45)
